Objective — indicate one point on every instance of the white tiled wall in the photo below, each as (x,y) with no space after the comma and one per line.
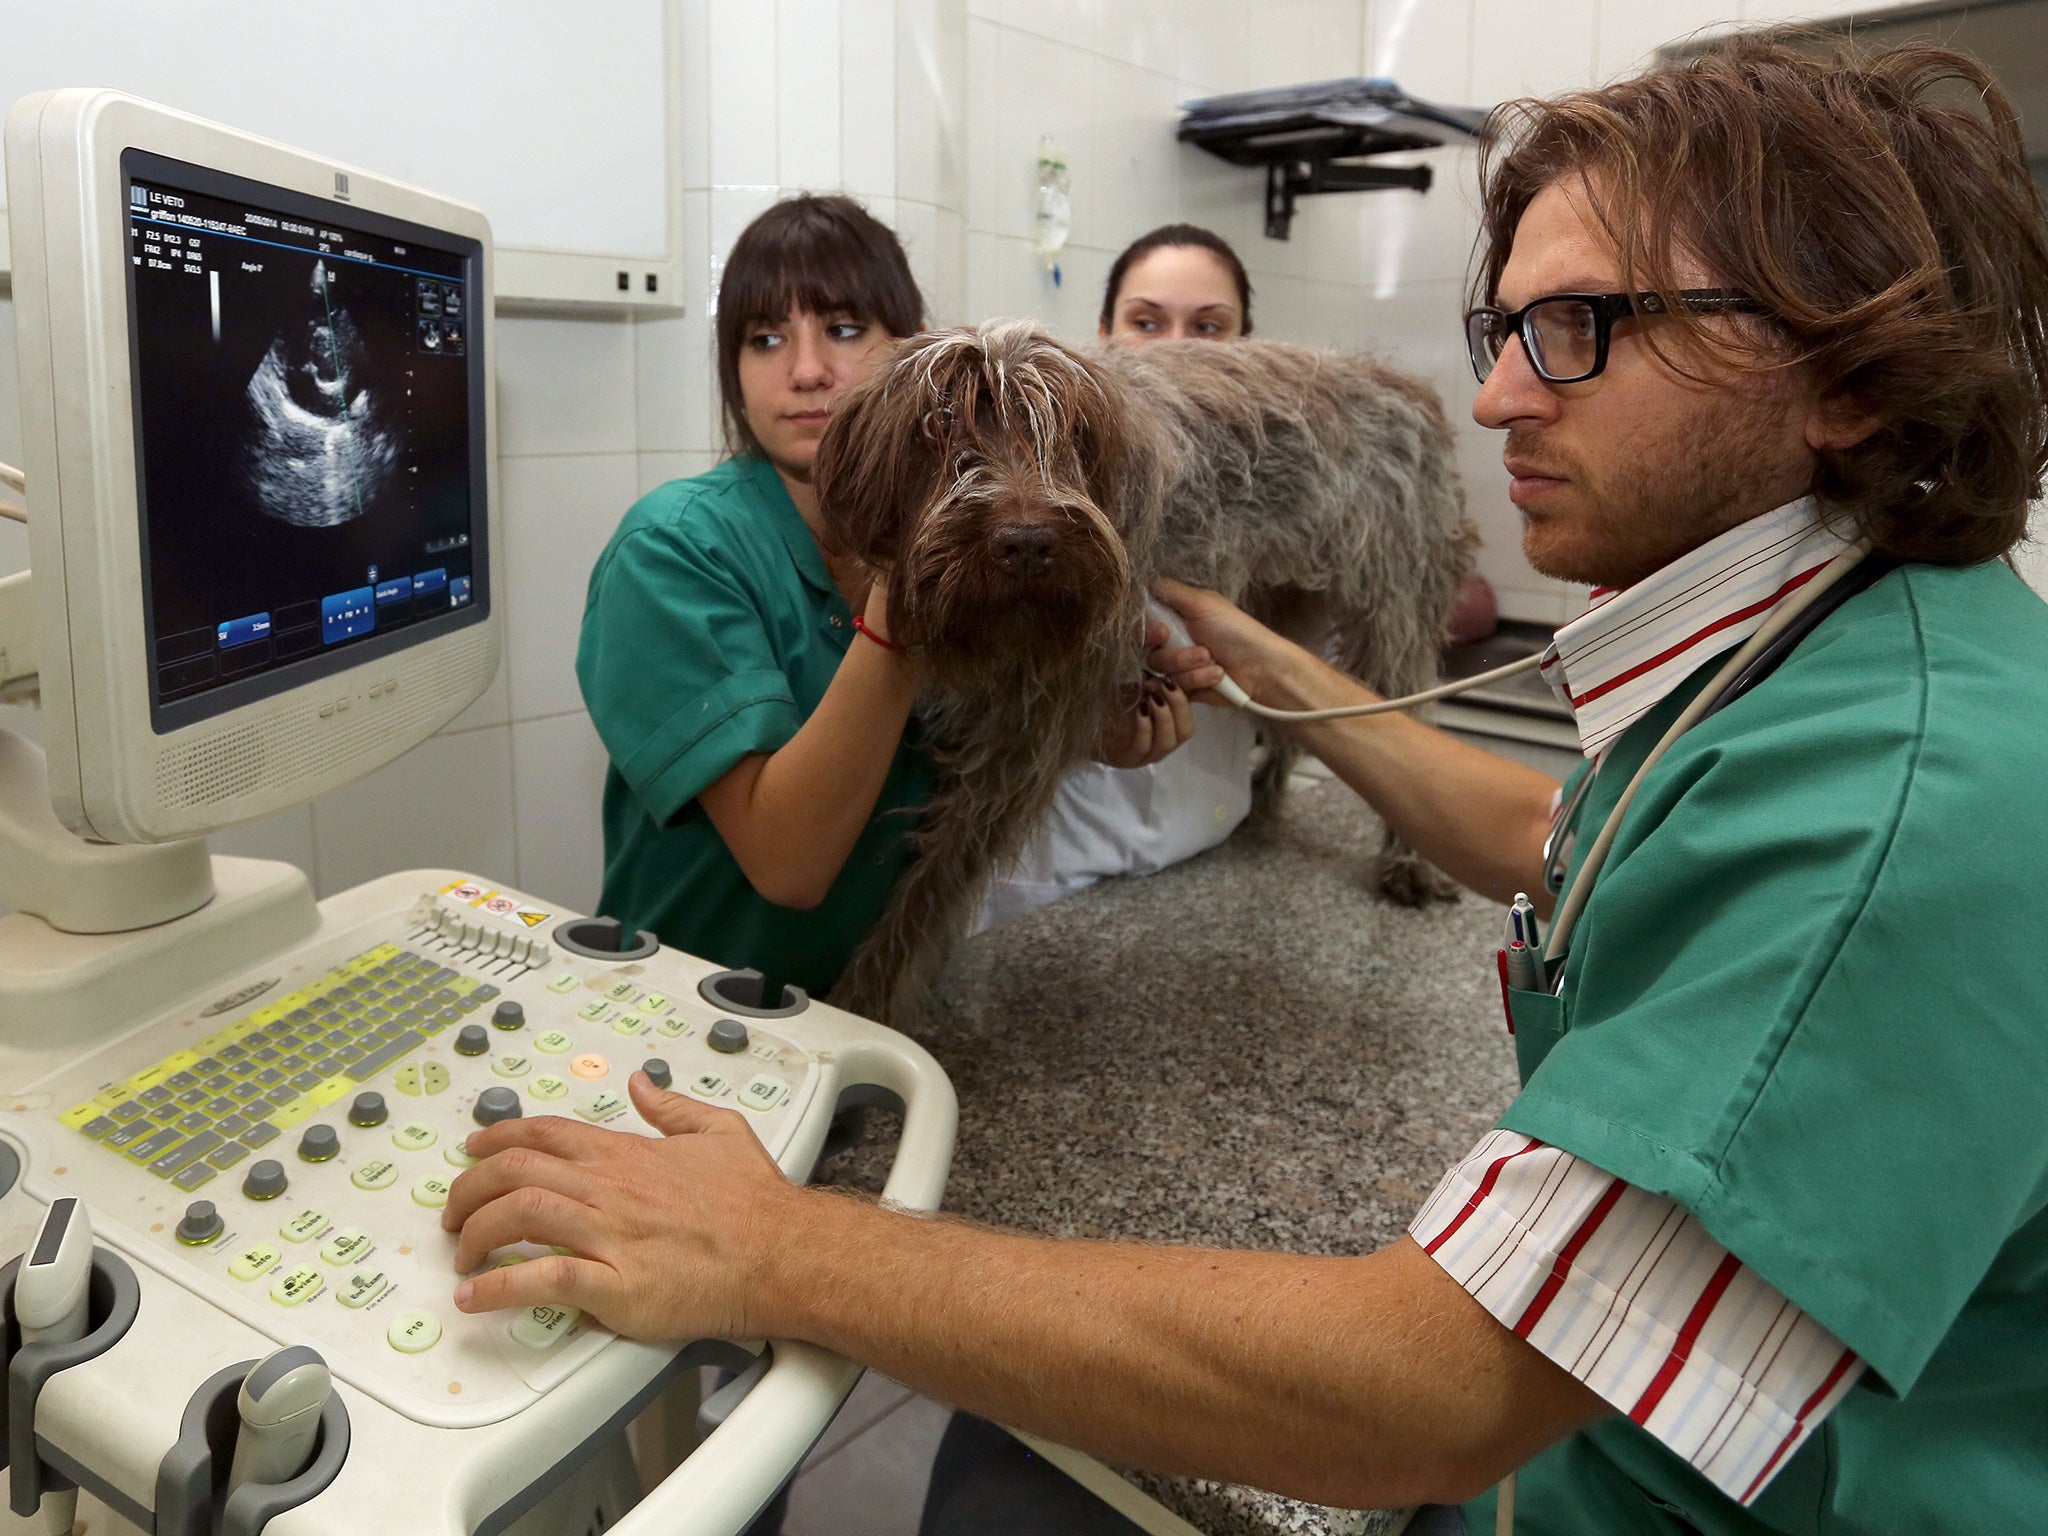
(931,111)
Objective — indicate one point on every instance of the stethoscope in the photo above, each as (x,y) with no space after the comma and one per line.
(1854,569)
(1850,572)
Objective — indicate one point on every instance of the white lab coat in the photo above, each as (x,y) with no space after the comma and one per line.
(1133,821)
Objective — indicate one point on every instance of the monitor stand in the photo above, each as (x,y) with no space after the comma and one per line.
(100,935)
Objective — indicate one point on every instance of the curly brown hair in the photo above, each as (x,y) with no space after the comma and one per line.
(1878,207)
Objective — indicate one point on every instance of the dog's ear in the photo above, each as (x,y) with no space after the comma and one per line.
(878,459)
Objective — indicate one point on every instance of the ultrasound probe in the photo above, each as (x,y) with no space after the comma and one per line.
(1228,688)
(281,1401)
(51,1297)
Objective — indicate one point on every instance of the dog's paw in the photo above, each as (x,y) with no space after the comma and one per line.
(1409,881)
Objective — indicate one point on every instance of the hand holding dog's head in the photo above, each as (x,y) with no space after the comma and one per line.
(991,473)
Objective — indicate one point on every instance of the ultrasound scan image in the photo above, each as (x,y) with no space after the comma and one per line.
(321,448)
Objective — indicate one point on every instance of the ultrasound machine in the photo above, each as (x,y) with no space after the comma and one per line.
(258,419)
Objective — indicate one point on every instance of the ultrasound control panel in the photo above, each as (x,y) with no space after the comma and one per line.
(285,1150)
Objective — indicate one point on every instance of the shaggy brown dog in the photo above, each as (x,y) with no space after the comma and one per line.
(1020,494)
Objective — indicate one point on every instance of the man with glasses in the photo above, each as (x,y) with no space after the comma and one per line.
(1761,1245)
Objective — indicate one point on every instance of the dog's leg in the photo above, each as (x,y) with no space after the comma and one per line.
(1269,779)
(1300,616)
(1394,665)
(975,823)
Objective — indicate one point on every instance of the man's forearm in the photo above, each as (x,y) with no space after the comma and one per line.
(1361,1382)
(1479,817)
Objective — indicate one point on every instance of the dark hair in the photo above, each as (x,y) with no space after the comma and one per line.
(1880,210)
(1178,235)
(822,254)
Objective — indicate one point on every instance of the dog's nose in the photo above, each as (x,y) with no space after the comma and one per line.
(1026,549)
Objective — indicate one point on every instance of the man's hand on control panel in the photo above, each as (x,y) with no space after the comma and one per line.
(1361,1382)
(663,1234)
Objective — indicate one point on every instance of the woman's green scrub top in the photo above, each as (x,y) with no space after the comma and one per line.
(711,630)
(1809,1003)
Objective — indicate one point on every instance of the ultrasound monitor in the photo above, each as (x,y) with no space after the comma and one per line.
(260,477)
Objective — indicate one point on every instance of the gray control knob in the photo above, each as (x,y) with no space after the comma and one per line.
(657,1071)
(202,1223)
(495,1104)
(508,1015)
(265,1180)
(471,1040)
(368,1109)
(727,1035)
(319,1143)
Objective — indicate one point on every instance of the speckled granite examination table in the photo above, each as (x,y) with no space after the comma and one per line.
(1252,1049)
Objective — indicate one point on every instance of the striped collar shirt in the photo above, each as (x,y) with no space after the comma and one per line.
(1625,1290)
(1620,659)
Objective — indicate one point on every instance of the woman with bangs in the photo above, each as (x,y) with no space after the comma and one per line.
(765,767)
(741,679)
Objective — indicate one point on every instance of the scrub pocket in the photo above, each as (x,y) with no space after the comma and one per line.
(1540,1022)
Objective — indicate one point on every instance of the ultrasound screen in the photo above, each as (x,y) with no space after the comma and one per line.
(306,402)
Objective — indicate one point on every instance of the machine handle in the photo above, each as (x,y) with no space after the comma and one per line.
(732,1475)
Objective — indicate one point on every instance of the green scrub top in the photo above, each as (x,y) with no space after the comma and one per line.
(1808,1002)
(711,630)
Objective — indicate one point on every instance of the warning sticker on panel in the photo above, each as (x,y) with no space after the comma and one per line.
(462,890)
(500,906)
(532,918)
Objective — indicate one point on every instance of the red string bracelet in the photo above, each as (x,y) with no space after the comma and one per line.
(861,624)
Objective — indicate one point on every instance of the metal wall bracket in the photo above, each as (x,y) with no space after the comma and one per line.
(1302,178)
(1315,138)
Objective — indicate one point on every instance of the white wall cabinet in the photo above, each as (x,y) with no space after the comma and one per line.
(560,122)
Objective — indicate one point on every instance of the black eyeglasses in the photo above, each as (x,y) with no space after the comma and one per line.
(1566,334)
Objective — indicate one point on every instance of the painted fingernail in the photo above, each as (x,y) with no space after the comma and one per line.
(462,1294)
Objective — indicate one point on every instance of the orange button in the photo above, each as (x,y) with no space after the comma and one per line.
(590,1066)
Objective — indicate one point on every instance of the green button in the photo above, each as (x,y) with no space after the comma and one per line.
(375,1173)
(362,1288)
(288,1290)
(602,1106)
(675,1026)
(512,1066)
(566,982)
(628,1024)
(763,1093)
(432,1192)
(433,1077)
(414,1137)
(254,1261)
(346,1246)
(596,1008)
(654,1002)
(304,1225)
(709,1086)
(539,1327)
(555,1043)
(412,1332)
(549,1087)
(456,1155)
(622,991)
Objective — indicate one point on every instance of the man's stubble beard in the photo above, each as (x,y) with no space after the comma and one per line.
(1727,468)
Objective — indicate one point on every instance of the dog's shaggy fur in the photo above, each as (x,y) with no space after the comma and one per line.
(1019,494)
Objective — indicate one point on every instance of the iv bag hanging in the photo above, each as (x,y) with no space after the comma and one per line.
(1055,219)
